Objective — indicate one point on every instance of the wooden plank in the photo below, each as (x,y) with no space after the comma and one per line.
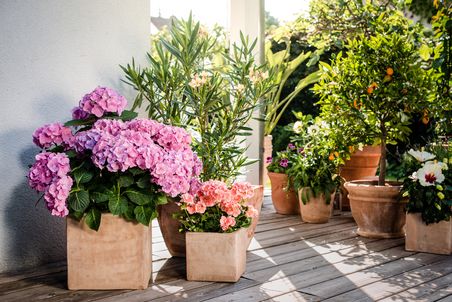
(447,298)
(426,292)
(396,284)
(307,276)
(295,296)
(333,287)
(35,272)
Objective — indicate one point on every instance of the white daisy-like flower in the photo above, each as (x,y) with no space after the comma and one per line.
(298,127)
(430,174)
(421,156)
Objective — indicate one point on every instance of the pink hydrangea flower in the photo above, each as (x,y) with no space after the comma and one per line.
(47,167)
(102,100)
(57,195)
(79,114)
(53,135)
(227,222)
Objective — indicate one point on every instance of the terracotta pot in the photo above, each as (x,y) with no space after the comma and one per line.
(117,256)
(377,209)
(432,238)
(256,201)
(219,257)
(361,165)
(285,202)
(174,240)
(315,210)
(268,150)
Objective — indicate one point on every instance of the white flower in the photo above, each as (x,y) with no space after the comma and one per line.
(421,156)
(313,129)
(298,127)
(430,174)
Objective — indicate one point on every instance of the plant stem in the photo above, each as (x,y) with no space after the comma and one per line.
(382,176)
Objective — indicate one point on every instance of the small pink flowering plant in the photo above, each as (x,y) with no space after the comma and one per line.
(106,161)
(215,207)
(428,184)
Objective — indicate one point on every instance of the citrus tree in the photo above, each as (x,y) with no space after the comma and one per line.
(373,90)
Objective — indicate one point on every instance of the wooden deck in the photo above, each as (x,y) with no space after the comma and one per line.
(287,261)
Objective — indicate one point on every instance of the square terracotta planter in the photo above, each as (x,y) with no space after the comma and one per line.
(117,256)
(433,238)
(217,257)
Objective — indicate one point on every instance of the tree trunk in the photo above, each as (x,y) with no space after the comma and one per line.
(382,175)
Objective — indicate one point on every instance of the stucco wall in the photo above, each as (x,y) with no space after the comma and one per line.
(51,53)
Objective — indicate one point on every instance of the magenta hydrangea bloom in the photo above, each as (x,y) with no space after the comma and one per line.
(48,166)
(102,100)
(57,195)
(53,135)
(79,114)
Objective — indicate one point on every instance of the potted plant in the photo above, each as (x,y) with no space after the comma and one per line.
(213,96)
(428,187)
(284,198)
(315,170)
(376,88)
(283,65)
(215,220)
(107,173)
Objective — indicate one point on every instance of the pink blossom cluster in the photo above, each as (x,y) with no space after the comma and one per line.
(163,150)
(230,201)
(49,175)
(53,135)
(98,102)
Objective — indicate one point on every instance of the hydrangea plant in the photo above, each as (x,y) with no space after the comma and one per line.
(106,161)
(428,184)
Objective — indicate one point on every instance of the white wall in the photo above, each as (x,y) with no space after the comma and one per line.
(52,52)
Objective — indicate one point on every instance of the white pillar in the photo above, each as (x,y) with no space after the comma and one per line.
(247,16)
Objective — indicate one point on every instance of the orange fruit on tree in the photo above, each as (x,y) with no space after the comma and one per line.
(331,157)
(389,71)
(370,89)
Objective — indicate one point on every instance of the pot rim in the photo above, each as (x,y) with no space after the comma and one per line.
(372,183)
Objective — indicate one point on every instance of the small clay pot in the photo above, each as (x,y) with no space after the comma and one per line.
(315,210)
(284,201)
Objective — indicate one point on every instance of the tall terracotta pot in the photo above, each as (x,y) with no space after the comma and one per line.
(219,257)
(433,238)
(268,150)
(362,164)
(117,256)
(175,240)
(284,201)
(315,210)
(377,210)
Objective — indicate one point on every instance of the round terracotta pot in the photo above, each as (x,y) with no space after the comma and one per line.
(285,202)
(175,240)
(377,210)
(268,149)
(362,164)
(315,210)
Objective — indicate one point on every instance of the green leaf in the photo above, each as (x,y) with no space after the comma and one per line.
(82,176)
(87,121)
(98,197)
(92,219)
(144,182)
(162,199)
(128,115)
(143,214)
(117,205)
(136,171)
(79,200)
(125,181)
(424,52)
(138,197)
(129,214)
